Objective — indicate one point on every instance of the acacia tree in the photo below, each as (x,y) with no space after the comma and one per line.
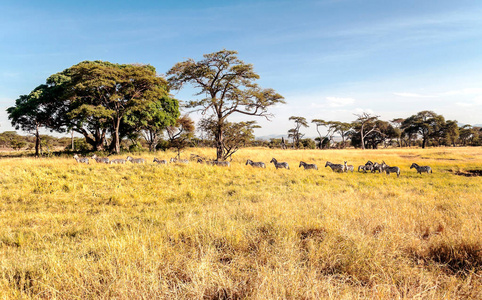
(229,87)
(330,130)
(365,120)
(294,133)
(426,123)
(33,111)
(342,128)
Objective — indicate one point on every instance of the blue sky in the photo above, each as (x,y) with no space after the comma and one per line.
(328,58)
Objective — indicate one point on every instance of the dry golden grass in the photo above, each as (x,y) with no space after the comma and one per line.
(74,231)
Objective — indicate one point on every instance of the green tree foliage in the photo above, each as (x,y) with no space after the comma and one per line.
(229,87)
(33,111)
(154,118)
(426,123)
(236,135)
(181,133)
(100,94)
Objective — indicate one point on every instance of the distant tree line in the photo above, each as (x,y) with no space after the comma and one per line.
(367,131)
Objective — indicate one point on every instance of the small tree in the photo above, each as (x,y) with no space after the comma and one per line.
(237,135)
(294,133)
(33,111)
(180,133)
(324,141)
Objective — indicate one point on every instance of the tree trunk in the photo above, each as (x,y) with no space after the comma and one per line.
(116,135)
(37,141)
(219,141)
(362,137)
(72,132)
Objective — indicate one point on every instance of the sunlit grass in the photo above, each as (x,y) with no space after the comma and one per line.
(80,231)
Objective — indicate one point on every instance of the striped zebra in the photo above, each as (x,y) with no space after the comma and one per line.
(104,160)
(135,160)
(308,166)
(179,161)
(117,161)
(347,168)
(421,169)
(258,164)
(160,161)
(389,169)
(335,167)
(378,167)
(83,160)
(279,165)
(221,163)
(366,167)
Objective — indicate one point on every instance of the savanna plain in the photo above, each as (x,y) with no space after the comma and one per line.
(76,231)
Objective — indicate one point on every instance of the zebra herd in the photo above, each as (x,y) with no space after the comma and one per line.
(369,166)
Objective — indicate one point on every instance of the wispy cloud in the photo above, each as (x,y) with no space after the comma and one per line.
(414,95)
(339,101)
(459,92)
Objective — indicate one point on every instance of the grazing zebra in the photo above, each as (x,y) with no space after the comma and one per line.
(258,164)
(221,163)
(362,168)
(347,167)
(366,167)
(421,169)
(83,160)
(377,167)
(179,161)
(160,161)
(136,160)
(117,161)
(308,166)
(335,167)
(279,165)
(389,169)
(214,162)
(104,160)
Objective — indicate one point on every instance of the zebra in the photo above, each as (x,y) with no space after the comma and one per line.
(104,160)
(83,160)
(258,164)
(378,167)
(135,160)
(308,166)
(179,161)
(279,165)
(366,167)
(389,169)
(221,163)
(160,161)
(421,169)
(117,161)
(347,168)
(335,167)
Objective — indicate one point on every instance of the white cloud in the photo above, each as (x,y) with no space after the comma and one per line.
(339,102)
(414,95)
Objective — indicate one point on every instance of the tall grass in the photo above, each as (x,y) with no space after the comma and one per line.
(75,231)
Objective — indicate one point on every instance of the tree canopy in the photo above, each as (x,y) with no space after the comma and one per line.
(227,86)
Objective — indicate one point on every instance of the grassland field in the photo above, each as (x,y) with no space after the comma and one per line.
(97,231)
